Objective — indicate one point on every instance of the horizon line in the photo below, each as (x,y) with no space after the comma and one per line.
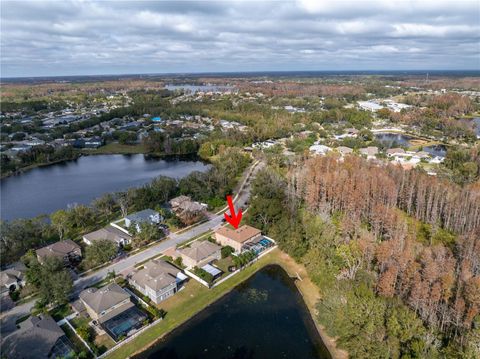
(241,72)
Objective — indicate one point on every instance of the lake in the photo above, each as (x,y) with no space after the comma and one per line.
(46,189)
(264,317)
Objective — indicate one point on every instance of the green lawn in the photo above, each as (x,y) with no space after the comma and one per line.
(185,304)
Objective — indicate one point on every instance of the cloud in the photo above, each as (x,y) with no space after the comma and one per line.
(40,38)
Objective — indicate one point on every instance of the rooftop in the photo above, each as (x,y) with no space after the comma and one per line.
(199,250)
(59,249)
(35,339)
(242,234)
(109,233)
(104,298)
(156,274)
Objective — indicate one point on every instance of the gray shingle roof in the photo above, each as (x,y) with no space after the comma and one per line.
(35,339)
(156,274)
(109,233)
(59,249)
(141,216)
(104,298)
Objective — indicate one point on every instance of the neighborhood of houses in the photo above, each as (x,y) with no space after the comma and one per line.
(121,307)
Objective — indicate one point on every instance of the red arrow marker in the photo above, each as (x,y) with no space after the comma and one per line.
(233,219)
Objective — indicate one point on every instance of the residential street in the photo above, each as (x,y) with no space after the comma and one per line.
(9,318)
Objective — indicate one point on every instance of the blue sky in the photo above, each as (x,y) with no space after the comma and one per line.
(56,38)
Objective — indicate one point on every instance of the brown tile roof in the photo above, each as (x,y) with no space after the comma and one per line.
(241,235)
(199,250)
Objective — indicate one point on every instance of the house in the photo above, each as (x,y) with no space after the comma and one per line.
(200,253)
(344,150)
(111,309)
(237,238)
(157,279)
(103,302)
(145,216)
(38,337)
(395,151)
(12,278)
(189,211)
(108,233)
(67,250)
(370,152)
(319,149)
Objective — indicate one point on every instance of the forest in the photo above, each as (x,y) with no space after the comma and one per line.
(396,254)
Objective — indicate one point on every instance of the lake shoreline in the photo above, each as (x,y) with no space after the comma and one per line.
(81,153)
(276,257)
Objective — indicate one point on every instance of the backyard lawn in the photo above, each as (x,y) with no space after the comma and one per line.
(188,302)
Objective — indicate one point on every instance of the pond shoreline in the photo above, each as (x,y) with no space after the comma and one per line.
(276,257)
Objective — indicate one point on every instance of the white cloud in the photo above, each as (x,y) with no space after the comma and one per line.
(82,37)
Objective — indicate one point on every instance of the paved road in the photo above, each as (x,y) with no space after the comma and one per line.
(9,318)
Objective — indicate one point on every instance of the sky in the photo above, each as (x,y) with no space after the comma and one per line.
(60,38)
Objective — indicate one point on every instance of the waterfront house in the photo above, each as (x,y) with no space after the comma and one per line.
(200,253)
(111,310)
(38,337)
(145,216)
(237,238)
(187,210)
(109,233)
(392,152)
(157,279)
(67,250)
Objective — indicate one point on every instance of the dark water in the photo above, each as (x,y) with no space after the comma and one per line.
(47,189)
(391,140)
(263,318)
(436,150)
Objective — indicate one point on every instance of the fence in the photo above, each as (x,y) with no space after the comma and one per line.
(197,278)
(129,339)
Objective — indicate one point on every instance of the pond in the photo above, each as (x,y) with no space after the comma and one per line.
(436,150)
(46,189)
(391,140)
(264,317)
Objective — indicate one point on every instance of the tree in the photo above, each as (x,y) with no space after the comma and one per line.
(52,280)
(227,251)
(100,252)
(146,233)
(61,222)
(86,333)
